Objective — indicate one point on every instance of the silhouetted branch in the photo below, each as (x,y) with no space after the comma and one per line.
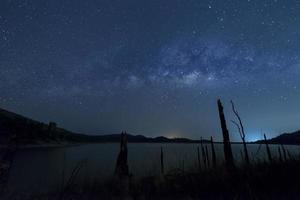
(238,117)
(238,127)
(241,131)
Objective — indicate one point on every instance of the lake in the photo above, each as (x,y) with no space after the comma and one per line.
(42,169)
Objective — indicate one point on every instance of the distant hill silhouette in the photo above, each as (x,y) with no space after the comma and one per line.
(29,131)
(285,138)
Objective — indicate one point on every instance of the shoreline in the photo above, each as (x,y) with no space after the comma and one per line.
(60,145)
(33,146)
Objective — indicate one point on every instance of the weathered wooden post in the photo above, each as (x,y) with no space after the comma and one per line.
(121,169)
(207,156)
(213,153)
(280,155)
(203,153)
(162,167)
(198,155)
(226,140)
(268,149)
(284,152)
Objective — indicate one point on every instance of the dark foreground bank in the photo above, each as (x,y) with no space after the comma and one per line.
(277,180)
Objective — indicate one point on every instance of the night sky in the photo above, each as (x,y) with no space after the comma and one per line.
(152,67)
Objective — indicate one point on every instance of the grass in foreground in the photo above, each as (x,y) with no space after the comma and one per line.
(277,180)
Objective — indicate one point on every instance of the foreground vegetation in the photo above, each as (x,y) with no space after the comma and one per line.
(277,180)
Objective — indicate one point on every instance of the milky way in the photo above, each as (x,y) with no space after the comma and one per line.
(152,67)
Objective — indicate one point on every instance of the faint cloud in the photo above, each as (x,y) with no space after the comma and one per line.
(134,82)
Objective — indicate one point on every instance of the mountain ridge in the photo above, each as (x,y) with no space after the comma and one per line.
(30,131)
(284,138)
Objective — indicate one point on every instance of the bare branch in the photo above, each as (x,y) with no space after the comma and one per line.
(241,131)
(238,127)
(238,117)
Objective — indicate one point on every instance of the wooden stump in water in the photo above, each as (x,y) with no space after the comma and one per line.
(284,152)
(226,140)
(122,169)
(268,149)
(279,154)
(203,153)
(198,156)
(213,153)
(207,156)
(162,167)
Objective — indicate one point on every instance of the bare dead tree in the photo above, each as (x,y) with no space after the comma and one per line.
(284,152)
(226,140)
(213,153)
(203,153)
(280,154)
(241,131)
(121,169)
(162,167)
(207,156)
(198,156)
(268,149)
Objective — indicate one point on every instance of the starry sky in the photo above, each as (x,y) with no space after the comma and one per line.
(152,67)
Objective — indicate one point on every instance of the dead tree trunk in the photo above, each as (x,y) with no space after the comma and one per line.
(162,167)
(198,155)
(203,153)
(241,131)
(213,153)
(280,154)
(284,152)
(121,169)
(226,140)
(268,149)
(207,156)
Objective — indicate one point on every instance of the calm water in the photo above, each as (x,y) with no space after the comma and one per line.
(42,169)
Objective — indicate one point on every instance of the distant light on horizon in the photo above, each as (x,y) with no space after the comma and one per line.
(173,134)
(252,137)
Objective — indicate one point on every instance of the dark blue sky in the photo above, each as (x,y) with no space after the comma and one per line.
(152,67)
